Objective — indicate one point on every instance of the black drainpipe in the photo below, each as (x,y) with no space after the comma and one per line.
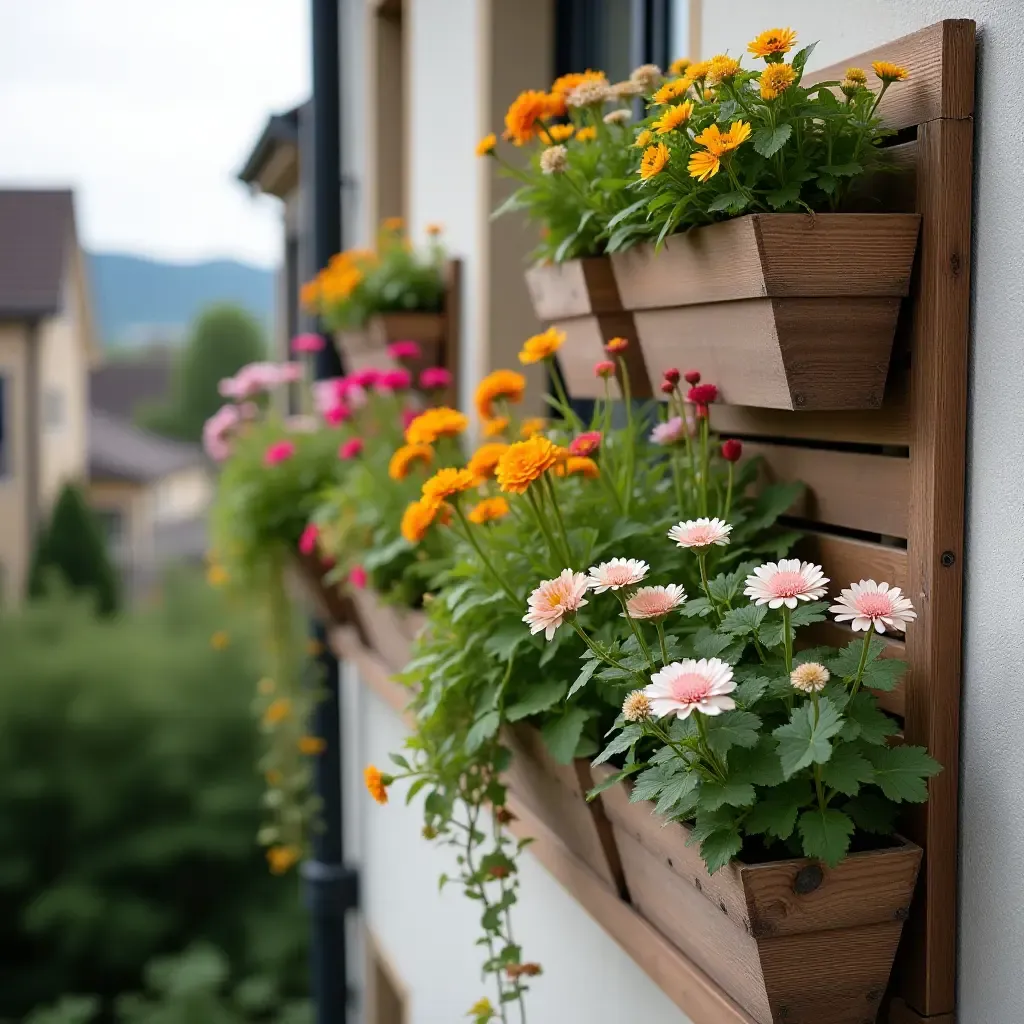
(331,886)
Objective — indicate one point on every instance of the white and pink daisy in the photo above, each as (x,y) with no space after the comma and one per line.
(554,600)
(869,604)
(655,602)
(786,582)
(701,533)
(690,685)
(619,572)
(672,431)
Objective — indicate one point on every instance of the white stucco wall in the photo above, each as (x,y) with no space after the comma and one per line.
(429,936)
(992,741)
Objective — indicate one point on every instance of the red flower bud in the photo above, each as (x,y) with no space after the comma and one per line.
(605,369)
(667,387)
(616,345)
(498,871)
(692,377)
(702,412)
(702,394)
(672,376)
(732,450)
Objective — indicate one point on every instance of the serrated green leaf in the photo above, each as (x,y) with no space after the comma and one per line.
(801,57)
(708,822)
(698,606)
(784,196)
(674,790)
(866,720)
(611,780)
(562,734)
(709,644)
(775,814)
(826,834)
(620,743)
(542,696)
(727,111)
(734,202)
(847,769)
(827,183)
(901,772)
(503,643)
(627,213)
(743,620)
(758,764)
(884,674)
(725,586)
(719,848)
(650,783)
(731,792)
(805,614)
(872,813)
(589,668)
(802,741)
(768,141)
(734,729)
(483,729)
(750,691)
(845,662)
(843,170)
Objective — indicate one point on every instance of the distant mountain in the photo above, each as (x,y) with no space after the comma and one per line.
(138,301)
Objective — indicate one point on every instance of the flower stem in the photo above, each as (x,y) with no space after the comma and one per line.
(636,631)
(627,395)
(567,412)
(865,651)
(597,650)
(728,491)
(661,640)
(558,517)
(677,478)
(787,639)
(704,465)
(509,592)
(556,553)
(701,561)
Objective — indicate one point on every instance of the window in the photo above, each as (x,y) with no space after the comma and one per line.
(53,409)
(111,522)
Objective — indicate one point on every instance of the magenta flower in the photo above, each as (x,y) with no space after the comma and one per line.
(307,542)
(364,379)
(279,451)
(400,350)
(435,378)
(216,432)
(586,443)
(358,577)
(351,448)
(337,414)
(307,343)
(408,415)
(394,380)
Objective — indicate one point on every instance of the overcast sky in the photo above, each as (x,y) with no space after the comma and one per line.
(148,108)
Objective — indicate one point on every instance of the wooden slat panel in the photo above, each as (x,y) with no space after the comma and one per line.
(900,1013)
(847,561)
(888,426)
(890,189)
(940,59)
(860,492)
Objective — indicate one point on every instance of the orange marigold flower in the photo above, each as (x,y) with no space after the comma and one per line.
(435,423)
(281,858)
(525,462)
(446,483)
(501,384)
(888,72)
(671,90)
(312,745)
(434,229)
(488,510)
(721,68)
(772,41)
(525,111)
(555,105)
(673,117)
(377,783)
(486,145)
(654,160)
(532,426)
(696,72)
(566,83)
(309,294)
(406,456)
(719,142)
(416,520)
(393,224)
(277,711)
(703,165)
(220,640)
(679,65)
(216,575)
(587,134)
(495,427)
(776,79)
(541,346)
(485,459)
(578,464)
(561,132)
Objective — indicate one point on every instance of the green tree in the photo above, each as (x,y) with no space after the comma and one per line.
(223,339)
(72,549)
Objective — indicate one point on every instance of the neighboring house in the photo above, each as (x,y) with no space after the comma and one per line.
(46,347)
(151,496)
(126,384)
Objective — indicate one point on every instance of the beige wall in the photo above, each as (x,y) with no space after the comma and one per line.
(15,544)
(182,495)
(132,501)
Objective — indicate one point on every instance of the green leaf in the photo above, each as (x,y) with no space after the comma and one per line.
(866,720)
(562,734)
(400,761)
(758,764)
(732,793)
(802,741)
(677,787)
(733,729)
(620,744)
(843,170)
(483,729)
(884,674)
(872,813)
(614,779)
(727,111)
(627,213)
(845,663)
(651,782)
(542,696)
(784,196)
(775,814)
(768,142)
(503,643)
(750,691)
(900,772)
(719,848)
(521,199)
(725,586)
(698,606)
(589,668)
(847,769)
(827,183)
(806,613)
(709,644)
(744,620)
(826,834)
(734,202)
(709,822)
(800,59)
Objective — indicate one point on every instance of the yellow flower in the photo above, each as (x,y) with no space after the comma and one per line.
(532,426)
(406,456)
(485,459)
(416,520)
(482,1010)
(488,510)
(486,145)
(578,464)
(679,65)
(529,107)
(312,745)
(495,427)
(671,90)
(219,640)
(696,72)
(587,134)
(281,858)
(446,483)
(501,384)
(565,85)
(856,75)
(703,165)
(525,462)
(654,160)
(718,142)
(673,117)
(216,575)
(434,229)
(541,346)
(721,68)
(377,783)
(643,140)
(277,711)
(561,132)
(265,686)
(772,41)
(393,224)
(776,79)
(890,72)
(435,423)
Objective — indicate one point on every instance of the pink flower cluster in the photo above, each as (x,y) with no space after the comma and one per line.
(217,432)
(307,343)
(259,378)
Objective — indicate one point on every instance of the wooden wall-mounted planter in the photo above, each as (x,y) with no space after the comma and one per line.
(581,298)
(330,601)
(793,942)
(556,794)
(387,629)
(780,310)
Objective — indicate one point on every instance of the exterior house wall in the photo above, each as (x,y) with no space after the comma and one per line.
(182,495)
(15,543)
(133,502)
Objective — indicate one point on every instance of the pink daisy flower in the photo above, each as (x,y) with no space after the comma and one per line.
(619,572)
(350,448)
(670,432)
(689,685)
(786,582)
(307,542)
(307,343)
(554,600)
(435,378)
(404,350)
(655,602)
(279,451)
(869,604)
(701,533)
(605,369)
(586,443)
(358,577)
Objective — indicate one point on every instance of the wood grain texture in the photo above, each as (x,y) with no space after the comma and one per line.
(847,561)
(574,288)
(330,602)
(900,1013)
(585,338)
(386,629)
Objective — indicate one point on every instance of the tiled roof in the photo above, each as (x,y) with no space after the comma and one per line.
(120,387)
(120,451)
(35,230)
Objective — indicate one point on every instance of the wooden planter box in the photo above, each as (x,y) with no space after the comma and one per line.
(556,794)
(386,629)
(330,601)
(581,298)
(784,311)
(793,942)
(368,348)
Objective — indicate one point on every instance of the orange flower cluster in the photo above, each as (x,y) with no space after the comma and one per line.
(377,783)
(541,346)
(525,462)
(434,423)
(488,510)
(338,280)
(504,385)
(406,457)
(484,460)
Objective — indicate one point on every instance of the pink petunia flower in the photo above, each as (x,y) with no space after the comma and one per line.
(337,414)
(689,685)
(290,373)
(305,343)
(248,410)
(435,378)
(399,350)
(307,542)
(279,451)
(701,533)
(358,577)
(619,572)
(604,369)
(364,379)
(869,604)
(786,582)
(351,448)
(217,430)
(586,443)
(655,602)
(554,601)
(394,380)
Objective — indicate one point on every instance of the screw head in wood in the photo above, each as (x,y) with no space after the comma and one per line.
(948,558)
(808,879)
(901,913)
